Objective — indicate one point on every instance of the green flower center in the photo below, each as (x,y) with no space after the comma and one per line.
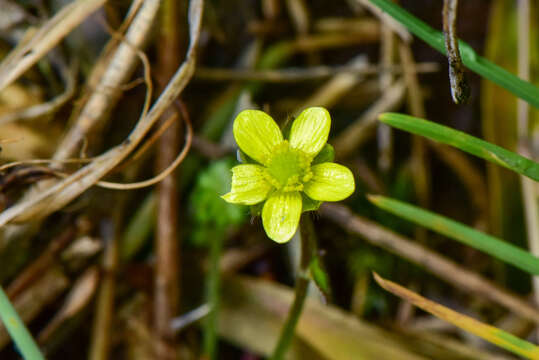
(288,169)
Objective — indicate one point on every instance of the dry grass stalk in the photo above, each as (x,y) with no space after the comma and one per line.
(437,264)
(47,37)
(57,196)
(357,132)
(108,91)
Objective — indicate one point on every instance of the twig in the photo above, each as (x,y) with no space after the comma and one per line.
(301,74)
(530,195)
(49,107)
(300,291)
(351,137)
(78,299)
(167,243)
(329,93)
(38,267)
(384,133)
(37,297)
(118,71)
(213,280)
(474,62)
(460,90)
(58,195)
(47,37)
(419,161)
(102,327)
(388,20)
(436,264)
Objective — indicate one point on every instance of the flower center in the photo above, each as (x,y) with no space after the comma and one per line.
(287,168)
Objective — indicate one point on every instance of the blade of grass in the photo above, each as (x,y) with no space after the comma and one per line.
(469,324)
(17,330)
(464,142)
(457,231)
(474,62)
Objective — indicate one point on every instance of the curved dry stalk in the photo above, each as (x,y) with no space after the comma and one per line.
(431,261)
(48,107)
(299,74)
(114,185)
(163,174)
(106,93)
(26,54)
(53,198)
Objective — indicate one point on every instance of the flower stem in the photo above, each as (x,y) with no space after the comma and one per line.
(300,291)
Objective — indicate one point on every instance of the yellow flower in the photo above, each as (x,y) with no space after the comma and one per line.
(291,176)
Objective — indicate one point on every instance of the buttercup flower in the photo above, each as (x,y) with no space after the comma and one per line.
(291,176)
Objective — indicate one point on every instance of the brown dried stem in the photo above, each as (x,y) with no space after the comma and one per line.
(167,246)
(431,261)
(107,92)
(301,74)
(51,199)
(460,90)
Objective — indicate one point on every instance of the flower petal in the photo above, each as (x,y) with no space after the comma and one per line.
(256,134)
(330,182)
(280,215)
(310,130)
(249,186)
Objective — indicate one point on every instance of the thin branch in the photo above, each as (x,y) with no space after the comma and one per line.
(301,74)
(431,261)
(460,90)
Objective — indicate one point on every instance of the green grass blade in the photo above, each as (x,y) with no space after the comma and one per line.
(465,142)
(17,330)
(489,244)
(474,62)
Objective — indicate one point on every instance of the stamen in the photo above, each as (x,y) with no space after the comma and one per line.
(287,168)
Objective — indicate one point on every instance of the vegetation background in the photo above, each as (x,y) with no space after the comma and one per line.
(96,95)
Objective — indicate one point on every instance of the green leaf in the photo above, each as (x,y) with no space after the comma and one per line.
(327,154)
(208,209)
(465,142)
(320,276)
(489,244)
(17,330)
(309,204)
(474,62)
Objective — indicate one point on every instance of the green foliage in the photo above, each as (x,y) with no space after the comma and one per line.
(209,211)
(17,330)
(464,234)
(327,154)
(474,62)
(320,276)
(465,142)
